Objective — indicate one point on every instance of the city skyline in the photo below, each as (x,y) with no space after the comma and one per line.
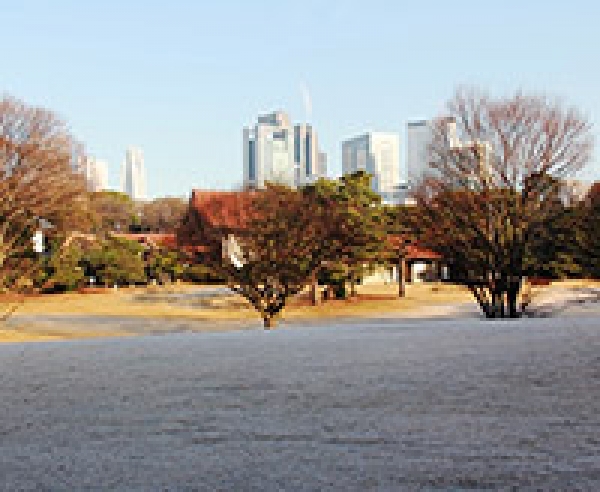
(277,150)
(183,92)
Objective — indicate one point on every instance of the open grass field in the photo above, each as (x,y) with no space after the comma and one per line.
(181,301)
(215,308)
(204,305)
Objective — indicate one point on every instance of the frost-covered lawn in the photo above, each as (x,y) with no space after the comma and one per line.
(385,404)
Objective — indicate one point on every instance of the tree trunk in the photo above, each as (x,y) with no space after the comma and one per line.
(402,278)
(513,311)
(495,308)
(268,322)
(485,302)
(352,287)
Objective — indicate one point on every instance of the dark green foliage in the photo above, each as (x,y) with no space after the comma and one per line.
(589,252)
(554,252)
(115,261)
(164,266)
(65,269)
(355,228)
(200,274)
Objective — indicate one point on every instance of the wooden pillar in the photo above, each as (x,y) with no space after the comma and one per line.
(439,270)
(401,277)
(314,290)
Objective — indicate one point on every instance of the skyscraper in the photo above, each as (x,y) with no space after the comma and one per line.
(95,172)
(308,160)
(419,136)
(276,151)
(378,154)
(133,174)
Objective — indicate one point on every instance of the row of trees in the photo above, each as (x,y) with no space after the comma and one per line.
(41,191)
(37,186)
(493,204)
(287,239)
(115,211)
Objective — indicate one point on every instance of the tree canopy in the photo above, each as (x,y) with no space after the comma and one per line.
(39,187)
(496,169)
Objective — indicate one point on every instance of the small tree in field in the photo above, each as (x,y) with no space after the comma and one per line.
(493,187)
(352,223)
(266,244)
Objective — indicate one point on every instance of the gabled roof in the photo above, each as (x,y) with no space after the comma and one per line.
(414,252)
(223,209)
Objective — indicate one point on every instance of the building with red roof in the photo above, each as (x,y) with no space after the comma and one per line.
(215,216)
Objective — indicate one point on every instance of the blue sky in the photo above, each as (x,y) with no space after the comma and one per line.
(181,78)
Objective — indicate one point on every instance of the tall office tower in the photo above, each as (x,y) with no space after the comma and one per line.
(276,151)
(322,165)
(269,151)
(94,171)
(419,136)
(133,174)
(377,154)
(96,174)
(310,162)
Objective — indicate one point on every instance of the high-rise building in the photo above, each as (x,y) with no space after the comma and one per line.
(322,165)
(133,174)
(276,151)
(378,154)
(95,172)
(419,136)
(310,162)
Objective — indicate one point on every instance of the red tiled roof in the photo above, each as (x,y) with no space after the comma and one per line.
(223,209)
(232,210)
(413,251)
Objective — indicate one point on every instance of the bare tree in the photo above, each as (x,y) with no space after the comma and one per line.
(163,214)
(112,211)
(38,186)
(495,177)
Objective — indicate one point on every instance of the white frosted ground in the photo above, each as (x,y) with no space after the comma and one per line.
(382,405)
